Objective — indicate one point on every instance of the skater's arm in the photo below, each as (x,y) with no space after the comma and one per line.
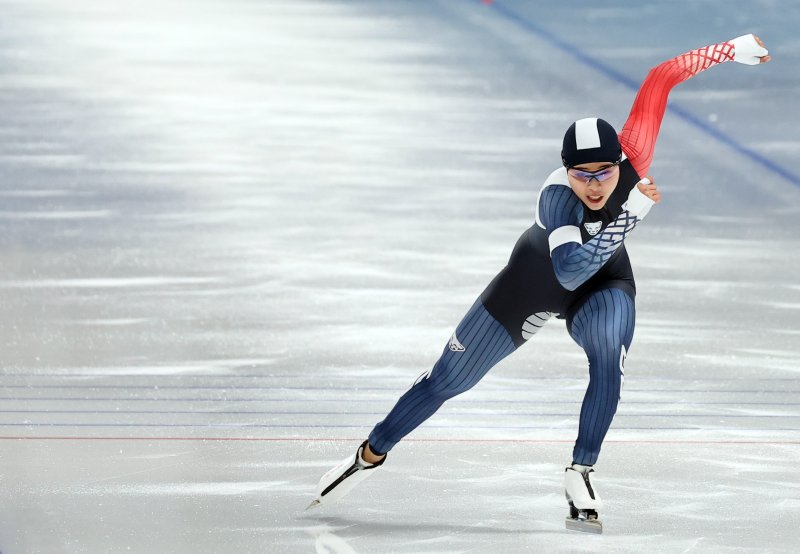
(574,262)
(638,136)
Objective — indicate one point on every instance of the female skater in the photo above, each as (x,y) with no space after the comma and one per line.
(571,263)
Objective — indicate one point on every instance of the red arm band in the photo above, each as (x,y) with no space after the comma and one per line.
(638,136)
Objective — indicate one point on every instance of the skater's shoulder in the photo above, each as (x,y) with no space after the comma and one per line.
(557,204)
(555,186)
(557,177)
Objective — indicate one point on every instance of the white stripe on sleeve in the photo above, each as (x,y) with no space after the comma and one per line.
(563,235)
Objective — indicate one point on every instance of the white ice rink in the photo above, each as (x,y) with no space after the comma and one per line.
(233,232)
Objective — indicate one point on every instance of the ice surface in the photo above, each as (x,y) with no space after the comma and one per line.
(234,232)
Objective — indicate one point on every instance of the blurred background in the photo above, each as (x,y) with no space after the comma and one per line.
(262,220)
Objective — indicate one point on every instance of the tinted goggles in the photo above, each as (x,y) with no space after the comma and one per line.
(601,174)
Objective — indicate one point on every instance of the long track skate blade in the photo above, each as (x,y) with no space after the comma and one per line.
(314,504)
(585,525)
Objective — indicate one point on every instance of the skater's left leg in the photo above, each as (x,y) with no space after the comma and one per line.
(603,326)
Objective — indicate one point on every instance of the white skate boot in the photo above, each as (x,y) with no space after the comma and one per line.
(344,477)
(584,501)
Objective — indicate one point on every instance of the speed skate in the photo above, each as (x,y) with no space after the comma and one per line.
(344,477)
(583,499)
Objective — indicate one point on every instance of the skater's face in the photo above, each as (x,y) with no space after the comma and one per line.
(594,182)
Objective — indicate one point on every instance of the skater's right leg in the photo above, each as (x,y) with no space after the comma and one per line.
(479,342)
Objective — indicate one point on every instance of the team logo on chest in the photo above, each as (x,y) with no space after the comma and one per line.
(593,227)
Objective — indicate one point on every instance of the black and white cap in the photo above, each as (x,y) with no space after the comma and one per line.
(590,140)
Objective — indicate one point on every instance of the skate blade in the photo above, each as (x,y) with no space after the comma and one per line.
(585,525)
(314,504)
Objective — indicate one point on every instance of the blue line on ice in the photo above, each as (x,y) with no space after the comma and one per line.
(612,73)
(350,413)
(372,389)
(174,372)
(427,426)
(371,400)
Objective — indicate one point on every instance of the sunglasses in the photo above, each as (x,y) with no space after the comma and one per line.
(600,175)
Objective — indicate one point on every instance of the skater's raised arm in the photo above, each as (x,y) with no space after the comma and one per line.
(638,136)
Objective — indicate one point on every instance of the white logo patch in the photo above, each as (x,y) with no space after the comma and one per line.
(593,228)
(622,355)
(456,346)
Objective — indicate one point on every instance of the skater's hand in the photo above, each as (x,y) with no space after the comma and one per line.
(642,198)
(750,50)
(648,187)
(762,59)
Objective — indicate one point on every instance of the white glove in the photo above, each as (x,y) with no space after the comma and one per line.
(747,51)
(638,203)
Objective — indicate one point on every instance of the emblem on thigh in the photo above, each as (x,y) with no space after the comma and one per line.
(533,323)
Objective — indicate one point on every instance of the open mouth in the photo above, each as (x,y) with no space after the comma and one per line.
(595,199)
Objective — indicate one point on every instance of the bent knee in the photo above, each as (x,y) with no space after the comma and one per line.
(605,347)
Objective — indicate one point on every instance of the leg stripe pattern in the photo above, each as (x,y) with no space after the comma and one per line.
(603,326)
(485,342)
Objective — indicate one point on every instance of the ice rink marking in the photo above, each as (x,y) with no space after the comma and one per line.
(356,439)
(372,400)
(362,426)
(621,78)
(371,389)
(376,413)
